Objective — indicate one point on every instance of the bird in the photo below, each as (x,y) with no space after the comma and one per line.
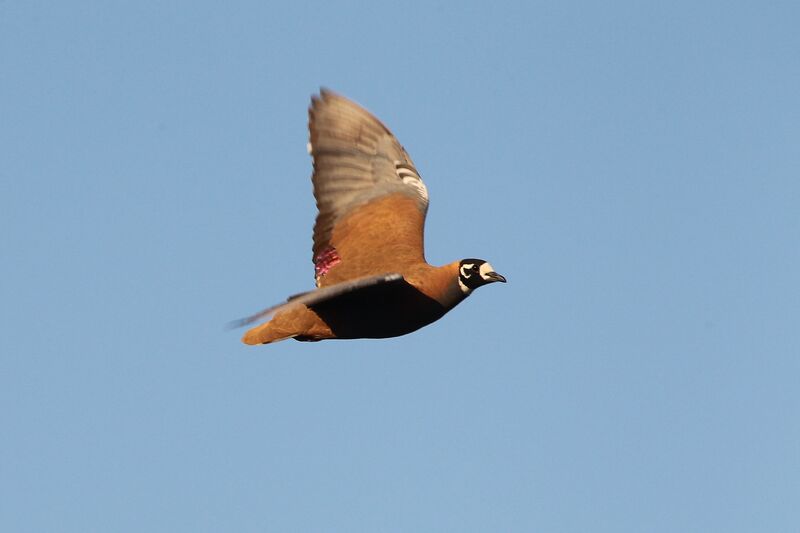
(372,279)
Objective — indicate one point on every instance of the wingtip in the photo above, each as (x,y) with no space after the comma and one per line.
(323,94)
(327,94)
(317,99)
(246,321)
(236,324)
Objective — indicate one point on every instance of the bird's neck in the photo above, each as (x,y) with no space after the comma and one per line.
(442,285)
(453,295)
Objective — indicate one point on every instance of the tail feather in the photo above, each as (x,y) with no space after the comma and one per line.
(295,321)
(266,334)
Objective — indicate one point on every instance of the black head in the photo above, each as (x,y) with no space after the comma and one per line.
(472,273)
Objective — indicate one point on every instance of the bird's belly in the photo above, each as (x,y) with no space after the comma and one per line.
(379,314)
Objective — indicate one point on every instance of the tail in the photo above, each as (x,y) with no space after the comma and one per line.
(294,321)
(267,333)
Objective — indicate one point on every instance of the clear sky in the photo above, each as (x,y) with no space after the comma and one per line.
(632,168)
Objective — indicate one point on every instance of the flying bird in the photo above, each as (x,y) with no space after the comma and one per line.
(369,264)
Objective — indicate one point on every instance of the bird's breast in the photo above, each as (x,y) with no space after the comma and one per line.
(379,313)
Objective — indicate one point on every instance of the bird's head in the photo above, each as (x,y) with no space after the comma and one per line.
(472,273)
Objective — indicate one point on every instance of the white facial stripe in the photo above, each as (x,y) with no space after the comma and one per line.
(485,269)
(464,288)
(465,268)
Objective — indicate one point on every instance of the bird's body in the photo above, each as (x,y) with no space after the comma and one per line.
(370,269)
(387,309)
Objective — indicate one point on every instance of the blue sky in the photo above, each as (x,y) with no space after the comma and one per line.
(632,168)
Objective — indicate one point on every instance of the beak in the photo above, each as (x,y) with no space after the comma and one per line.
(494,276)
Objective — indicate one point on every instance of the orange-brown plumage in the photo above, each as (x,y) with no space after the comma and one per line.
(303,322)
(396,217)
(372,277)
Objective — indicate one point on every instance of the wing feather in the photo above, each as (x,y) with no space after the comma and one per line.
(357,161)
(318,296)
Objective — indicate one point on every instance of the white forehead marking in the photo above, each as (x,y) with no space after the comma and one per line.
(485,269)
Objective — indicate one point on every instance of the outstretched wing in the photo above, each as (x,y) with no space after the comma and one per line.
(371,199)
(319,296)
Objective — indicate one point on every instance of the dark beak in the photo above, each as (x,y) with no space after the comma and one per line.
(494,276)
